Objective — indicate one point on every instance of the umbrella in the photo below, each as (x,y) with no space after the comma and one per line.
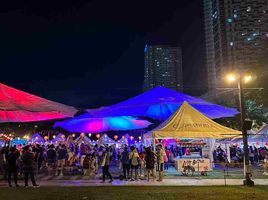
(86,124)
(161,103)
(19,106)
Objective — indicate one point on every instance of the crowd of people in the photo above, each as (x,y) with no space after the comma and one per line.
(95,161)
(256,155)
(29,160)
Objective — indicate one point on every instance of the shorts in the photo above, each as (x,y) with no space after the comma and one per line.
(161,167)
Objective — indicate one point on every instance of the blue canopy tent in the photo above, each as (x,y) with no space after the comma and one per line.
(87,124)
(161,103)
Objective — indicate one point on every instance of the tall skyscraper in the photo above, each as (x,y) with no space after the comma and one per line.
(236,32)
(163,67)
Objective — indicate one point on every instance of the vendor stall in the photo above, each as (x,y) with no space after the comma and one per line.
(194,157)
(187,122)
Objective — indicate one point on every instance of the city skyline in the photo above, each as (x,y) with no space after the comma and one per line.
(163,67)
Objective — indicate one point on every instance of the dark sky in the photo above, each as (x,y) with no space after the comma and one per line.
(90,53)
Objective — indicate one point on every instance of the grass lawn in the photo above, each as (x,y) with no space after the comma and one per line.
(135,192)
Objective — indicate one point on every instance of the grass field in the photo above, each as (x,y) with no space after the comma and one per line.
(136,192)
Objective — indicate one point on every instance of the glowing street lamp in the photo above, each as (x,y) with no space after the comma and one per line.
(242,79)
(247,78)
(231,77)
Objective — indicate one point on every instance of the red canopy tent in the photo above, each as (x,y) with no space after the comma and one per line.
(19,106)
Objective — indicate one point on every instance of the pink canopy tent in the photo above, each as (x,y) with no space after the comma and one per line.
(19,106)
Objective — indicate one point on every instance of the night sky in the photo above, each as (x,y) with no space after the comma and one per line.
(90,53)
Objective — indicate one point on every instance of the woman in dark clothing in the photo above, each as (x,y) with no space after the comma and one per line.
(28,165)
(150,159)
(51,157)
(12,167)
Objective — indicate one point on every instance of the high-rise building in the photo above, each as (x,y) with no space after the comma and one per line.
(163,67)
(236,32)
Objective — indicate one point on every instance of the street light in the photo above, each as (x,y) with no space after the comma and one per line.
(241,80)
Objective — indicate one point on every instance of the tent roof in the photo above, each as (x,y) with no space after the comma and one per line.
(187,122)
(82,139)
(105,139)
(161,103)
(36,138)
(58,138)
(19,106)
(263,130)
(85,123)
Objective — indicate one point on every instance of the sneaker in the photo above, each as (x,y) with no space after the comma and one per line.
(111,181)
(61,174)
(102,181)
(36,186)
(26,186)
(9,185)
(17,186)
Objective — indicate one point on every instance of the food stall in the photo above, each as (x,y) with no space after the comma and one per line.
(189,123)
(194,158)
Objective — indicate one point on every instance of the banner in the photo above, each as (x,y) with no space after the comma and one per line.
(197,164)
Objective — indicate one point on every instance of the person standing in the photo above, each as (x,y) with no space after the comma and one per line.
(125,163)
(105,163)
(167,152)
(142,171)
(251,155)
(3,162)
(28,165)
(51,158)
(134,162)
(149,162)
(160,162)
(62,155)
(12,166)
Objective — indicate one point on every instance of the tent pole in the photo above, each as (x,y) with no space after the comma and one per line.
(154,143)
(228,152)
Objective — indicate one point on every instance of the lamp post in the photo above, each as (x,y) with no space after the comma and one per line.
(241,79)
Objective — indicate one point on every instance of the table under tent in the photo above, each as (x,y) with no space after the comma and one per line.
(189,123)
